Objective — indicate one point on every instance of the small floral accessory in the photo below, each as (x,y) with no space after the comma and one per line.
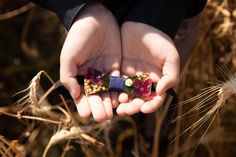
(137,86)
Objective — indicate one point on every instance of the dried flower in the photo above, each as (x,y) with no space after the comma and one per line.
(94,81)
(142,88)
(94,76)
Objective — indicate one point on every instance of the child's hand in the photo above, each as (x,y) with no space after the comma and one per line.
(147,50)
(92,41)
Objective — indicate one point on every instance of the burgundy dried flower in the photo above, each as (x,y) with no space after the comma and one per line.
(94,76)
(143,88)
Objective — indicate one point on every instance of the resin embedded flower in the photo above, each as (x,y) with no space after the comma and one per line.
(142,88)
(94,76)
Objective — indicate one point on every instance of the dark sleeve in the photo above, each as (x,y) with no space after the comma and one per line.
(194,7)
(166,15)
(66,10)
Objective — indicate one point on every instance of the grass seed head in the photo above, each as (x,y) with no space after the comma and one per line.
(30,102)
(227,90)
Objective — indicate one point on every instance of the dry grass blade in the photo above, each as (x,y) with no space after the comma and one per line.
(222,91)
(160,117)
(73,133)
(29,50)
(32,97)
(35,101)
(204,114)
(16,12)
(9,148)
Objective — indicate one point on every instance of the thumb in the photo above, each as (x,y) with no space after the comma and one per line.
(73,87)
(170,76)
(68,73)
(165,83)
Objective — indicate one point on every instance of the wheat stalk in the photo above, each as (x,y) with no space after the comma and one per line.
(31,100)
(35,101)
(213,99)
(69,134)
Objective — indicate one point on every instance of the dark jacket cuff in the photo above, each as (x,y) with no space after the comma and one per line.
(66,10)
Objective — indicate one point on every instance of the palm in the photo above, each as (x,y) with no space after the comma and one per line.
(93,41)
(147,50)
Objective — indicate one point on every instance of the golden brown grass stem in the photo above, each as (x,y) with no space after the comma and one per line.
(16,12)
(32,118)
(66,148)
(160,116)
(11,147)
(30,51)
(220,9)
(6,147)
(69,115)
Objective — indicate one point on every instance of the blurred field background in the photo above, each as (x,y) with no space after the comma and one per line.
(30,41)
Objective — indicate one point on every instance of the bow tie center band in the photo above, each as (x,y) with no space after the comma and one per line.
(137,86)
(94,81)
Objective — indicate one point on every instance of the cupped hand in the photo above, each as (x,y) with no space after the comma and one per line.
(92,41)
(146,49)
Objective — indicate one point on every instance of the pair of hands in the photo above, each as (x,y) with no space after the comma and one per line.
(95,40)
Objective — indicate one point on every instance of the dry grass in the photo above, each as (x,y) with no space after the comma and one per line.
(203,125)
(202,120)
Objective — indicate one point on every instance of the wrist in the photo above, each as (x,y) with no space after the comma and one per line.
(92,9)
(94,6)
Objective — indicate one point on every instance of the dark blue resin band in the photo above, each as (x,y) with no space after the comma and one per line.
(116,83)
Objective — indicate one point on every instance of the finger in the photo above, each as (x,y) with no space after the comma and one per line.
(123,98)
(68,71)
(107,104)
(115,95)
(82,106)
(165,83)
(114,99)
(170,75)
(97,108)
(134,106)
(153,104)
(121,110)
